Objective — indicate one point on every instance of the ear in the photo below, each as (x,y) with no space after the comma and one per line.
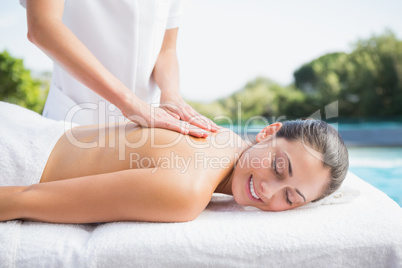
(268,131)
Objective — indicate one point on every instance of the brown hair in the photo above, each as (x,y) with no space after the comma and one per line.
(324,139)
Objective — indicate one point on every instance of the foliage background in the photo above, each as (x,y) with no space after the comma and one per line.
(17,85)
(367,83)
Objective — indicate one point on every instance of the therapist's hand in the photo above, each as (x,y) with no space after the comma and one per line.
(146,115)
(179,109)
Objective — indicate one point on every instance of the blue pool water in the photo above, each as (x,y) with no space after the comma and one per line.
(379,166)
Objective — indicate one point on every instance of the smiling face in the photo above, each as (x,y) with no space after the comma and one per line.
(277,174)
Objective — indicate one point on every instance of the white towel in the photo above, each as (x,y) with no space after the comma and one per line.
(364,232)
(26,141)
(344,194)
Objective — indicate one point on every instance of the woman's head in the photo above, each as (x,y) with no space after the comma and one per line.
(292,164)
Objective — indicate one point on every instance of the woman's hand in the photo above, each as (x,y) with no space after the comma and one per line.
(146,115)
(179,109)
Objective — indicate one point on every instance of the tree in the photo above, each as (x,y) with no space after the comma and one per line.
(17,86)
(367,82)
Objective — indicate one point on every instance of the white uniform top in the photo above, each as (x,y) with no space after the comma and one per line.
(126,37)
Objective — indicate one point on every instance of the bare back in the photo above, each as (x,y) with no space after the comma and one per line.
(91,150)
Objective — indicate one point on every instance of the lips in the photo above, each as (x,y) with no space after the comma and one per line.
(249,192)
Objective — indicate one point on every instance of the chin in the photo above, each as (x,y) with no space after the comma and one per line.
(236,198)
(239,200)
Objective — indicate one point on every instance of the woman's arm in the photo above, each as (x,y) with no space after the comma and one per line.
(128,195)
(166,75)
(166,70)
(47,31)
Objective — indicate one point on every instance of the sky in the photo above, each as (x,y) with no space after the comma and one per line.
(223,44)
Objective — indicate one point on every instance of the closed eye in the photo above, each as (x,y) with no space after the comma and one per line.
(276,171)
(287,198)
(274,166)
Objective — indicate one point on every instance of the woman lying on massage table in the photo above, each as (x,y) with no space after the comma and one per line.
(124,172)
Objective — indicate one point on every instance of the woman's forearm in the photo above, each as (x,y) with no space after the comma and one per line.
(50,34)
(166,70)
(166,74)
(9,202)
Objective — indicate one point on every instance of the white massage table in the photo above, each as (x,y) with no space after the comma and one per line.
(364,232)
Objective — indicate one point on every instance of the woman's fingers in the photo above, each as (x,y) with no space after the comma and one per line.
(164,120)
(193,117)
(190,115)
(168,116)
(199,122)
(202,122)
(197,133)
(174,115)
(172,125)
(181,127)
(171,109)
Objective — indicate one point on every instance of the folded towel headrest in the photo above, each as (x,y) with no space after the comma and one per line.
(344,194)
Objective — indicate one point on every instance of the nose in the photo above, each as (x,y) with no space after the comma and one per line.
(269,188)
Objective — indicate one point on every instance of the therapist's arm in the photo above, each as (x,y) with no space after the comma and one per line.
(47,31)
(166,75)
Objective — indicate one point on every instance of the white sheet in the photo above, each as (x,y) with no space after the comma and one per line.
(365,232)
(26,141)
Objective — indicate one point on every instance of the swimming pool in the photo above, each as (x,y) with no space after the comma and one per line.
(379,166)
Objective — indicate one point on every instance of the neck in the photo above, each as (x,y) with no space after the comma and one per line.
(225,186)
